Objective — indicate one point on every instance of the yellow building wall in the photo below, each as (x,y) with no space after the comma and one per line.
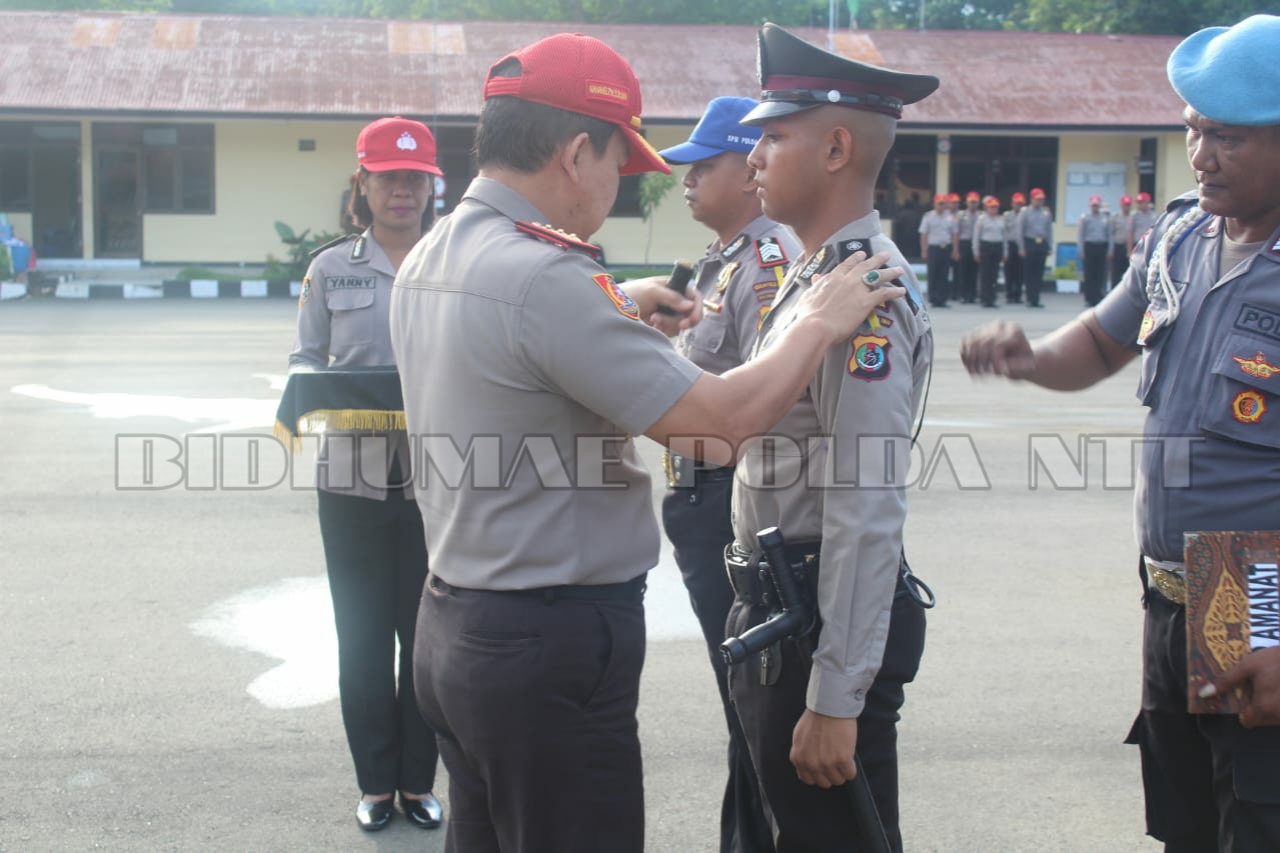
(260,177)
(1174,175)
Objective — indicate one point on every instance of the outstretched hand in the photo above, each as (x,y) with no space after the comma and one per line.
(999,349)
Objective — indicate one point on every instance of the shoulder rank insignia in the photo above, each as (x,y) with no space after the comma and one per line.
(869,357)
(770,253)
(1256,366)
(734,248)
(358,248)
(335,242)
(1248,407)
(846,248)
(626,307)
(560,238)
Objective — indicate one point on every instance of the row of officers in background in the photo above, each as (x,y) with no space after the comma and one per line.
(966,250)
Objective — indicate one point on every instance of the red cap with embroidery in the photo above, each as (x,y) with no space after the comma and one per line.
(1144,196)
(940,197)
(1125,199)
(1019,198)
(973,197)
(991,201)
(953,197)
(1037,193)
(583,75)
(1095,199)
(397,143)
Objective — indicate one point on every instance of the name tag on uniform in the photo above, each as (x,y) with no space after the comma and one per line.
(350,282)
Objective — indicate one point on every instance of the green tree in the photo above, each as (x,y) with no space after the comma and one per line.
(654,187)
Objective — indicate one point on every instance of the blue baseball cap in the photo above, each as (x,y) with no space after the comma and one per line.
(717,131)
(1230,74)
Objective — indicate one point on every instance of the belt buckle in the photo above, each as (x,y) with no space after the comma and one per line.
(669,470)
(1168,584)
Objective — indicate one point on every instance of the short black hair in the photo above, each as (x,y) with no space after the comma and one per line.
(361,214)
(522,135)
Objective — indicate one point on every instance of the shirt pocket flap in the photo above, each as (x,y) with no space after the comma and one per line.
(349,299)
(1251,361)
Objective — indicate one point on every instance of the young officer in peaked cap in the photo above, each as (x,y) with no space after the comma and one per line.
(526,372)
(737,280)
(1201,305)
(807,705)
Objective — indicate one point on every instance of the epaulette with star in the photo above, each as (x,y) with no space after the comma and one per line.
(337,241)
(560,238)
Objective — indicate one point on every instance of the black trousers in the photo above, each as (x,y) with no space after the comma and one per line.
(1034,269)
(809,819)
(1210,784)
(697,521)
(1095,272)
(938,275)
(377,562)
(968,272)
(1012,272)
(990,256)
(1119,265)
(533,699)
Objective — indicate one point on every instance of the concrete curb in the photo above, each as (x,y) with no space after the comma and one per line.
(194,289)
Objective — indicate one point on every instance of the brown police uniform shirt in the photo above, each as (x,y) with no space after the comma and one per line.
(853,423)
(737,284)
(521,350)
(343,315)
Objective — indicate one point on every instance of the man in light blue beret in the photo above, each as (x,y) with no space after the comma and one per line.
(1201,306)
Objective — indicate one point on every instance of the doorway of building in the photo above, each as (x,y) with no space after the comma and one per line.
(117,213)
(55,211)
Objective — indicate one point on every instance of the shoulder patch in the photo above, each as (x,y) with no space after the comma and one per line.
(625,305)
(734,248)
(770,252)
(305,294)
(869,357)
(556,237)
(846,248)
(337,241)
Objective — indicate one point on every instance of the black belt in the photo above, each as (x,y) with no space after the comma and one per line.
(632,590)
(749,577)
(677,469)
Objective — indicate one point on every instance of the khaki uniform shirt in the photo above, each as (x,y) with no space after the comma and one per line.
(526,371)
(965,221)
(1093,228)
(852,425)
(1211,384)
(343,322)
(1013,227)
(988,229)
(1140,223)
(1121,223)
(938,228)
(1035,226)
(737,284)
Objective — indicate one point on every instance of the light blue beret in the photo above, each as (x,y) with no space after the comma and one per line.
(1231,74)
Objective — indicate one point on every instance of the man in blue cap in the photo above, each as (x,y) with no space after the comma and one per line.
(806,705)
(1201,305)
(736,281)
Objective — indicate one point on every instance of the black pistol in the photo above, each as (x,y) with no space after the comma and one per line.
(795,617)
(681,272)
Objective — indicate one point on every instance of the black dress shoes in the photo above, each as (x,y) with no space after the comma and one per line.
(374,816)
(426,813)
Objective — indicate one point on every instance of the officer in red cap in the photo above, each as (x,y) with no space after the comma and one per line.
(988,246)
(937,242)
(374,550)
(527,370)
(967,260)
(1035,242)
(808,706)
(1013,277)
(1121,225)
(1143,218)
(1093,242)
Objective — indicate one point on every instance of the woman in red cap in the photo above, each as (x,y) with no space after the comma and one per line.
(374,546)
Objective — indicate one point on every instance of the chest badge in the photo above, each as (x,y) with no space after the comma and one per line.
(869,359)
(1256,366)
(626,307)
(1248,407)
(1148,325)
(726,276)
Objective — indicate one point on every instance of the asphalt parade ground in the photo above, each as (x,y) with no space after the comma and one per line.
(169,666)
